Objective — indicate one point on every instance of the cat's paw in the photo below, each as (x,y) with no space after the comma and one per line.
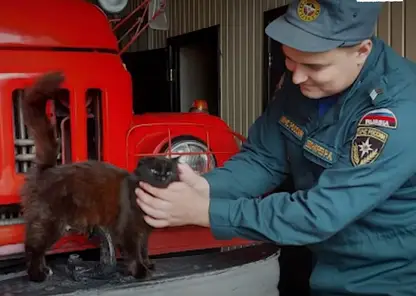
(48,271)
(150,265)
(137,270)
(37,275)
(141,272)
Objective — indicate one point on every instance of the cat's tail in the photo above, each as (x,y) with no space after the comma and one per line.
(38,124)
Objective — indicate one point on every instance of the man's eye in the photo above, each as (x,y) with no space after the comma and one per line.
(316,67)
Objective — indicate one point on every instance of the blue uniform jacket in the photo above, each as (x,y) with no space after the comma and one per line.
(354,171)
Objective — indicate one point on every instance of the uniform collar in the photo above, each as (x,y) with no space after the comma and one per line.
(384,75)
(367,78)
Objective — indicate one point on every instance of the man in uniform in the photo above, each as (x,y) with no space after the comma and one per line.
(343,126)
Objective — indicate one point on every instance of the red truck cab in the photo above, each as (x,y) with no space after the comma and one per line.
(93,116)
(93,119)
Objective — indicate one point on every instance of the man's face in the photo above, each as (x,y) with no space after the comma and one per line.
(324,74)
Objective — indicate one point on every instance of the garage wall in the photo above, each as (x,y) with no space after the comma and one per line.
(241,40)
(241,45)
(395,24)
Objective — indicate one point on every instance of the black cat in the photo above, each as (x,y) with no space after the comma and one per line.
(82,195)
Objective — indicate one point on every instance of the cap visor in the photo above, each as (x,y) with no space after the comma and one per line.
(290,35)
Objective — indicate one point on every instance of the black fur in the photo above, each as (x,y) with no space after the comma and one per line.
(82,195)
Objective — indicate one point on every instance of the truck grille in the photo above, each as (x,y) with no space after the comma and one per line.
(94,124)
(24,149)
(10,215)
(58,111)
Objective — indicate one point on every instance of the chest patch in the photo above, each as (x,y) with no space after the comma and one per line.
(319,150)
(367,145)
(292,127)
(379,117)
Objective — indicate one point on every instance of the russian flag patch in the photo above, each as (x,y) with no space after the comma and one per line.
(380,117)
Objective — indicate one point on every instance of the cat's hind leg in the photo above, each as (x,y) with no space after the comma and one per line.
(40,236)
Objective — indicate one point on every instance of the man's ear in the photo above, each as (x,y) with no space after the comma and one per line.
(363,51)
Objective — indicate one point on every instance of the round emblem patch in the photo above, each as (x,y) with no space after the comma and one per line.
(308,10)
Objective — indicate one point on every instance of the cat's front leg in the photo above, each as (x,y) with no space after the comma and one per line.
(145,253)
(133,258)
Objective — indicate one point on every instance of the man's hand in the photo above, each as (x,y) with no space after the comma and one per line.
(188,176)
(181,203)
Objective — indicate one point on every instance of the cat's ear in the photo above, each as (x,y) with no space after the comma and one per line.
(142,161)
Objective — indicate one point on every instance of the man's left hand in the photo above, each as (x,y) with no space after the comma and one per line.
(178,204)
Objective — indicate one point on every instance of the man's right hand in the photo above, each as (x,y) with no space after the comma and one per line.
(189,177)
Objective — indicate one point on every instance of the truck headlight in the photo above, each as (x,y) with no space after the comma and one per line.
(200,163)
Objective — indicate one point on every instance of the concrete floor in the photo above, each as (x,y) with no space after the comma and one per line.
(251,271)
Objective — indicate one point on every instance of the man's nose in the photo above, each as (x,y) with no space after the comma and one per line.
(298,76)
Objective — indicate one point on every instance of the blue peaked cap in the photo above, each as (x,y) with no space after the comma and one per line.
(322,25)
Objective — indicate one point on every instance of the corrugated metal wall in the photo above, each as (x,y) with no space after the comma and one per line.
(141,43)
(394,27)
(242,45)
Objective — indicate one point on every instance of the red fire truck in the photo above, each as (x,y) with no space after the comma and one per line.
(94,120)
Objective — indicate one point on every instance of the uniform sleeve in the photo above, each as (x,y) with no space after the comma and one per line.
(259,167)
(353,187)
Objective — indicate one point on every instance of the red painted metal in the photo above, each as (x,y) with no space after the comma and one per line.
(140,25)
(54,23)
(76,38)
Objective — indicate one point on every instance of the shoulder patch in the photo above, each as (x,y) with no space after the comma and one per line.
(367,145)
(379,117)
(291,126)
(320,150)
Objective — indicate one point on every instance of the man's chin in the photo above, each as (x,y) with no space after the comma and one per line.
(311,94)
